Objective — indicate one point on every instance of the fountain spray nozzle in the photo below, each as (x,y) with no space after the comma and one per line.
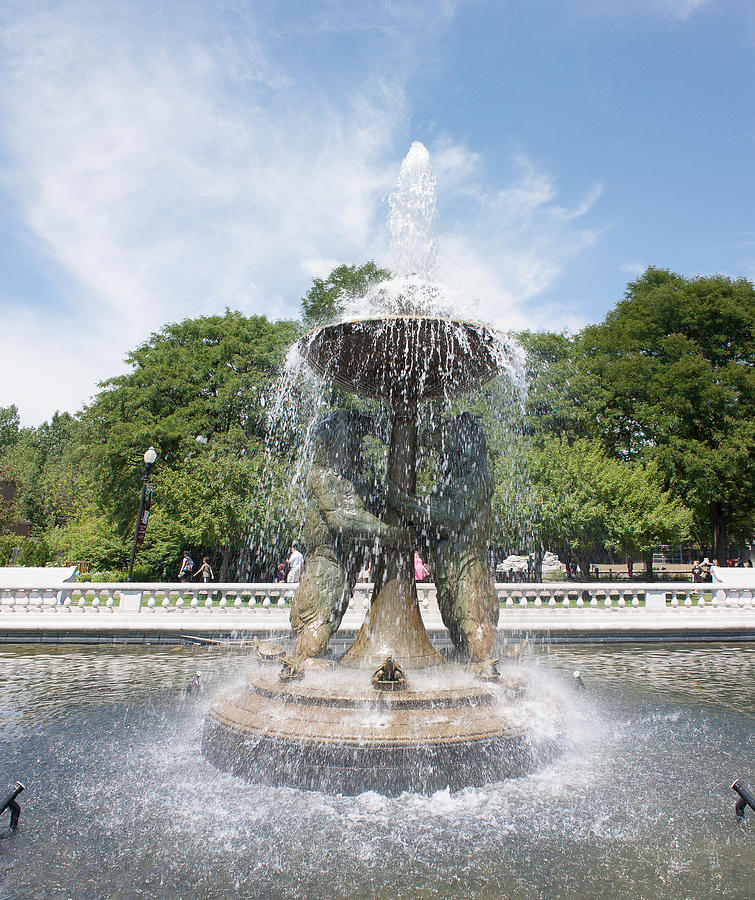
(745,799)
(10,803)
(578,680)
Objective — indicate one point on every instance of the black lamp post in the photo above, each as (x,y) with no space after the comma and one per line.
(141,522)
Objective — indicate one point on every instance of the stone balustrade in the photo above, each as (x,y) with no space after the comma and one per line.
(185,599)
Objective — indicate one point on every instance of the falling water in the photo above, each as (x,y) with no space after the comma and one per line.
(302,398)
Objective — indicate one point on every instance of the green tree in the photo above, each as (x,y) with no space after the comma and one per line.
(324,300)
(198,393)
(675,361)
(10,425)
(580,500)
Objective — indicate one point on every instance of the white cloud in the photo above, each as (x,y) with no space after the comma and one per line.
(670,9)
(168,178)
(169,167)
(633,268)
(513,244)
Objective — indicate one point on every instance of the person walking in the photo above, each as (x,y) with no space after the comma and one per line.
(187,567)
(205,571)
(420,570)
(296,564)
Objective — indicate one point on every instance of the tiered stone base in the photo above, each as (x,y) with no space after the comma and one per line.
(351,738)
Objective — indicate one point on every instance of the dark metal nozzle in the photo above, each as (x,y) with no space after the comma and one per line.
(745,799)
(10,803)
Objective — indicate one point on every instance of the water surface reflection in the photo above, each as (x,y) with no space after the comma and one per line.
(119,802)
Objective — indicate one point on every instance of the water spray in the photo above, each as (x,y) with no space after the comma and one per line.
(195,685)
(10,803)
(745,799)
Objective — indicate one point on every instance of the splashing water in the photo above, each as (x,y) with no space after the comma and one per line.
(412,217)
(302,397)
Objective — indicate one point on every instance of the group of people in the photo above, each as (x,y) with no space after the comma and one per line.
(291,570)
(187,567)
(295,566)
(701,570)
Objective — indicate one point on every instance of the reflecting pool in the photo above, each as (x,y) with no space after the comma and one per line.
(120,803)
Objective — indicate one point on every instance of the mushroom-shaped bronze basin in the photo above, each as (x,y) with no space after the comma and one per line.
(404,359)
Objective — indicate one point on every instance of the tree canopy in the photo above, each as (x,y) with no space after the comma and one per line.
(636,432)
(324,300)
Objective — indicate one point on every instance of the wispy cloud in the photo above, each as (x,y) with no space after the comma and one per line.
(670,9)
(168,161)
(168,177)
(633,268)
(514,243)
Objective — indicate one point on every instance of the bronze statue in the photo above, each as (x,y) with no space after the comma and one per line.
(269,651)
(457,518)
(290,670)
(338,527)
(389,676)
(487,670)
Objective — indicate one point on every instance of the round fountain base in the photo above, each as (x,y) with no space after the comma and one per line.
(444,730)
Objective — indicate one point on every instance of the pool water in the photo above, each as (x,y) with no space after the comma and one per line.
(120,803)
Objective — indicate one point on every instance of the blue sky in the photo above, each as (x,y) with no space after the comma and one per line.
(164,160)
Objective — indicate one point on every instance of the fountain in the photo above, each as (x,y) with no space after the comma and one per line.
(323,725)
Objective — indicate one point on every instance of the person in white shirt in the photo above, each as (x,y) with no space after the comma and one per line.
(296,564)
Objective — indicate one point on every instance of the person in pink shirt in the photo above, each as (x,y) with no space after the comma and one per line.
(420,572)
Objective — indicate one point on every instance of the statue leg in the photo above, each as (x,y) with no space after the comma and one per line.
(469,609)
(318,606)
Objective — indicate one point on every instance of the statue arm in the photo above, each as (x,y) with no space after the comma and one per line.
(346,516)
(442,513)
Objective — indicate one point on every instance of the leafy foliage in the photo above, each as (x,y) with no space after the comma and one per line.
(324,300)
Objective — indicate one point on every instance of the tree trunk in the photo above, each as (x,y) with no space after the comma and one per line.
(537,569)
(224,564)
(718,530)
(648,560)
